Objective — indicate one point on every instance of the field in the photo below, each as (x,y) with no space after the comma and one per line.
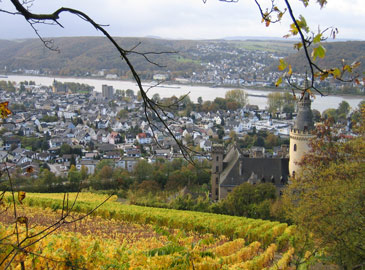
(117,236)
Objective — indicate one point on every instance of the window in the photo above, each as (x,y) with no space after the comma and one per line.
(295,147)
(216,168)
(216,181)
(217,158)
(216,191)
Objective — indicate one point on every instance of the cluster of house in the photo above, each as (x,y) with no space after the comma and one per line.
(89,122)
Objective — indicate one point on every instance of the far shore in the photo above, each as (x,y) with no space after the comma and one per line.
(263,89)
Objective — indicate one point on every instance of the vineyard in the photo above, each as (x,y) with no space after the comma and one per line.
(117,236)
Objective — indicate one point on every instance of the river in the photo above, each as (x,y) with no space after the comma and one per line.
(207,93)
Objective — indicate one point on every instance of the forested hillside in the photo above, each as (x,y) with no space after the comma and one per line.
(335,52)
(208,61)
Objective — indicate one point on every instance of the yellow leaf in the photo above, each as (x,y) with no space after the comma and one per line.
(4,110)
(283,65)
(347,68)
(298,45)
(336,73)
(21,196)
(294,29)
(279,81)
(290,72)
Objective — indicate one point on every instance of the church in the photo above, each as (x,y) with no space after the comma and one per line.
(233,167)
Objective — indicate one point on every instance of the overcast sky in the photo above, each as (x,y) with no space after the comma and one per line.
(183,19)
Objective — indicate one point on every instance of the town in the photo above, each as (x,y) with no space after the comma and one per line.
(70,124)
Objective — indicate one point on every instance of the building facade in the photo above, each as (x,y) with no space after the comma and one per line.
(107,91)
(235,167)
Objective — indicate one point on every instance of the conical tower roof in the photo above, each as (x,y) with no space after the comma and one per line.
(304,120)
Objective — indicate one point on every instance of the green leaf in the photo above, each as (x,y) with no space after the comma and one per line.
(303,24)
(317,38)
(294,29)
(336,73)
(320,52)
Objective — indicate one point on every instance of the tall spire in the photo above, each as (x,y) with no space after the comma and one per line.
(304,120)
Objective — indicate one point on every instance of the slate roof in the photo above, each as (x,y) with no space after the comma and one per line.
(238,169)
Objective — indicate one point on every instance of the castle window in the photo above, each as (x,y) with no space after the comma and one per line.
(295,147)
(216,181)
(216,192)
(217,158)
(216,168)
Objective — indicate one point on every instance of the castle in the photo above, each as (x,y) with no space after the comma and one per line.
(235,167)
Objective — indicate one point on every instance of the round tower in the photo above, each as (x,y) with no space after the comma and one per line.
(301,133)
(217,168)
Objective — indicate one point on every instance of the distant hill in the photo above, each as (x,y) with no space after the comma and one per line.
(350,51)
(86,55)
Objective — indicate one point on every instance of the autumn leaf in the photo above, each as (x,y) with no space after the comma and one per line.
(317,38)
(324,75)
(336,72)
(290,72)
(322,2)
(21,196)
(347,68)
(293,29)
(298,45)
(279,81)
(22,220)
(305,2)
(355,64)
(320,52)
(30,169)
(4,110)
(283,65)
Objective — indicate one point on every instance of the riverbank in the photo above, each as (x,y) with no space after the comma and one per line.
(256,96)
